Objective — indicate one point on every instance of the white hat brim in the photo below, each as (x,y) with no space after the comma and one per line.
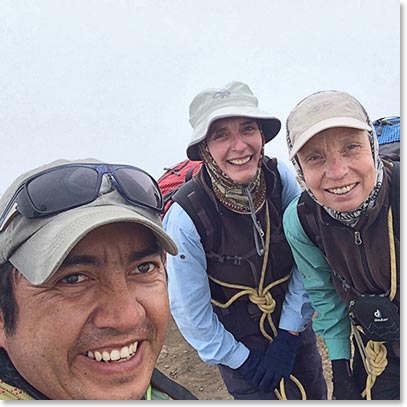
(271,125)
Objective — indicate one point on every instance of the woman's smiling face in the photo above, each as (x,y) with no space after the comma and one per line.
(235,144)
(338,167)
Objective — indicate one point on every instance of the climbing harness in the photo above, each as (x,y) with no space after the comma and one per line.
(266,303)
(374,354)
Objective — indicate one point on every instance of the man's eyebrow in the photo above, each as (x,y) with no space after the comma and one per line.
(141,254)
(79,260)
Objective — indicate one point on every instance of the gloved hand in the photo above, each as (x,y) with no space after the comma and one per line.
(277,362)
(250,365)
(344,386)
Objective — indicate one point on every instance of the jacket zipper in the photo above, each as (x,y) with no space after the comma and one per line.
(358,239)
(359,242)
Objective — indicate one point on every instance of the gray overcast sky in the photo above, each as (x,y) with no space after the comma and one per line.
(114,79)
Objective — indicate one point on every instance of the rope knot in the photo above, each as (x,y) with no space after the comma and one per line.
(377,357)
(265,302)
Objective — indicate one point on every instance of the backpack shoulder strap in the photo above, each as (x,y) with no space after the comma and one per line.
(197,204)
(395,197)
(169,387)
(307,218)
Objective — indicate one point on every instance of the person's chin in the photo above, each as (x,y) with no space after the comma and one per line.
(346,206)
(128,389)
(243,176)
(125,380)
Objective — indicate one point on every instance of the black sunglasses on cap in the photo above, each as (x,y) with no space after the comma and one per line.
(69,186)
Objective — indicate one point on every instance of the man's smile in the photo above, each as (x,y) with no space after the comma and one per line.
(114,355)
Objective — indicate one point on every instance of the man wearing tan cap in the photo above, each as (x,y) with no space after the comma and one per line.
(344,233)
(83,293)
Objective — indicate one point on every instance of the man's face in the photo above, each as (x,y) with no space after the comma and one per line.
(107,301)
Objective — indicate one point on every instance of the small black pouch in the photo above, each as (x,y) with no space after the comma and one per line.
(378,317)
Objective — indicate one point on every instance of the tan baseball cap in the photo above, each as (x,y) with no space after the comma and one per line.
(234,100)
(37,247)
(321,111)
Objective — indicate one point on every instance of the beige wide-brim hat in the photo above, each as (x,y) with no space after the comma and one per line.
(321,111)
(234,100)
(38,247)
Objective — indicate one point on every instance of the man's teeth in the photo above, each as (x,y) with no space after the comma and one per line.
(342,190)
(114,355)
(240,161)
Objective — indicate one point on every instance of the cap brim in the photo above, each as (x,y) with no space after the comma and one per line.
(43,253)
(350,122)
(271,125)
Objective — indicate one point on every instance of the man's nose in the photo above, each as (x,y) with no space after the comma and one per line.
(119,309)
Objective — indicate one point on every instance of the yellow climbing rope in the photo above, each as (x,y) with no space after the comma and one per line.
(374,354)
(266,303)
(376,363)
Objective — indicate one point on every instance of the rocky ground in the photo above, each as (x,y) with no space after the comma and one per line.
(181,362)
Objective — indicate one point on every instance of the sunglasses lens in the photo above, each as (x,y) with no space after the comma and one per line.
(139,187)
(63,188)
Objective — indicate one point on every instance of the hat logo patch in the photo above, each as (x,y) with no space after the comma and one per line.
(319,108)
(221,94)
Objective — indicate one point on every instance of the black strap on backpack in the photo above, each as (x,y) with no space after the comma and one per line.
(202,211)
(169,387)
(395,197)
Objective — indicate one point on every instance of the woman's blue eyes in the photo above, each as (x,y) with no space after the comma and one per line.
(247,130)
(351,147)
(317,157)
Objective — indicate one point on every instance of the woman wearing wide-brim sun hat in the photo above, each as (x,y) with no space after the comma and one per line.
(234,301)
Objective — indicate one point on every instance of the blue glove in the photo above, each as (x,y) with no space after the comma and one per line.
(277,362)
(249,367)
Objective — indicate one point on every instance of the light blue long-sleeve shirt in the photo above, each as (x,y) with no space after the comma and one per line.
(190,297)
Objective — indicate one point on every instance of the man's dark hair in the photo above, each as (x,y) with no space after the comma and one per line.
(8,305)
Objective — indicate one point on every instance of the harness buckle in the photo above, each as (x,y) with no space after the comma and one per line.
(234,260)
